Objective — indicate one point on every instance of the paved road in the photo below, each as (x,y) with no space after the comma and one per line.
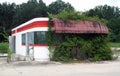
(107,68)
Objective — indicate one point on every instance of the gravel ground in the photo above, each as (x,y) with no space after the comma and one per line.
(22,68)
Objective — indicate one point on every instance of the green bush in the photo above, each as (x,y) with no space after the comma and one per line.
(61,55)
(83,47)
(3,47)
(80,46)
(100,49)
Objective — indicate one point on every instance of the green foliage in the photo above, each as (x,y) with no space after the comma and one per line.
(3,47)
(12,15)
(112,15)
(111,44)
(29,10)
(105,11)
(83,47)
(58,6)
(7,12)
(73,15)
(114,25)
(4,34)
(49,33)
(100,49)
(9,54)
(62,53)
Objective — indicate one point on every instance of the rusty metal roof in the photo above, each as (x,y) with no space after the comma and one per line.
(81,26)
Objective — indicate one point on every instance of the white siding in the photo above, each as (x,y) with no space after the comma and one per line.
(20,50)
(41,53)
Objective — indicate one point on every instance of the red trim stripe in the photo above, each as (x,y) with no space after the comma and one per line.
(33,25)
(13,32)
(36,44)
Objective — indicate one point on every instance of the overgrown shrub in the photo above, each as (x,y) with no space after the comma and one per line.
(80,46)
(3,47)
(76,16)
(100,49)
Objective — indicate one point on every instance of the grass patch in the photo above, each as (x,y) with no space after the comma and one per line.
(3,47)
(113,44)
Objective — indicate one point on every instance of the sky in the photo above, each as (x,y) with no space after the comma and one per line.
(79,5)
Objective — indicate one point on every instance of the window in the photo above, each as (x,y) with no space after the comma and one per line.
(31,37)
(23,39)
(40,37)
(57,38)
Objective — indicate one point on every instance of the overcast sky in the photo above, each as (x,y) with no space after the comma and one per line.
(79,5)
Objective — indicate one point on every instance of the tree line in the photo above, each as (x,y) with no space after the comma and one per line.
(12,15)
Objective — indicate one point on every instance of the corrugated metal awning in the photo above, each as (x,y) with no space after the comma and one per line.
(71,26)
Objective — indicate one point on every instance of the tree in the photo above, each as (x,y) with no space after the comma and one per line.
(58,6)
(106,12)
(114,25)
(7,12)
(112,14)
(29,10)
(12,15)
(4,34)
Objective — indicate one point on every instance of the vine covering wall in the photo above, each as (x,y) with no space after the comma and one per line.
(79,46)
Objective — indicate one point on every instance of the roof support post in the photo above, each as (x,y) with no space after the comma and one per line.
(27,44)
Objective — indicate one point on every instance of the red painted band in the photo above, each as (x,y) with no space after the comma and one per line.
(13,32)
(36,45)
(33,25)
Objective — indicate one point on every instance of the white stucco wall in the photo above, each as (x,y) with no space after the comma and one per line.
(20,50)
(40,53)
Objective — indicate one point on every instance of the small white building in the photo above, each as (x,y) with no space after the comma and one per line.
(29,39)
